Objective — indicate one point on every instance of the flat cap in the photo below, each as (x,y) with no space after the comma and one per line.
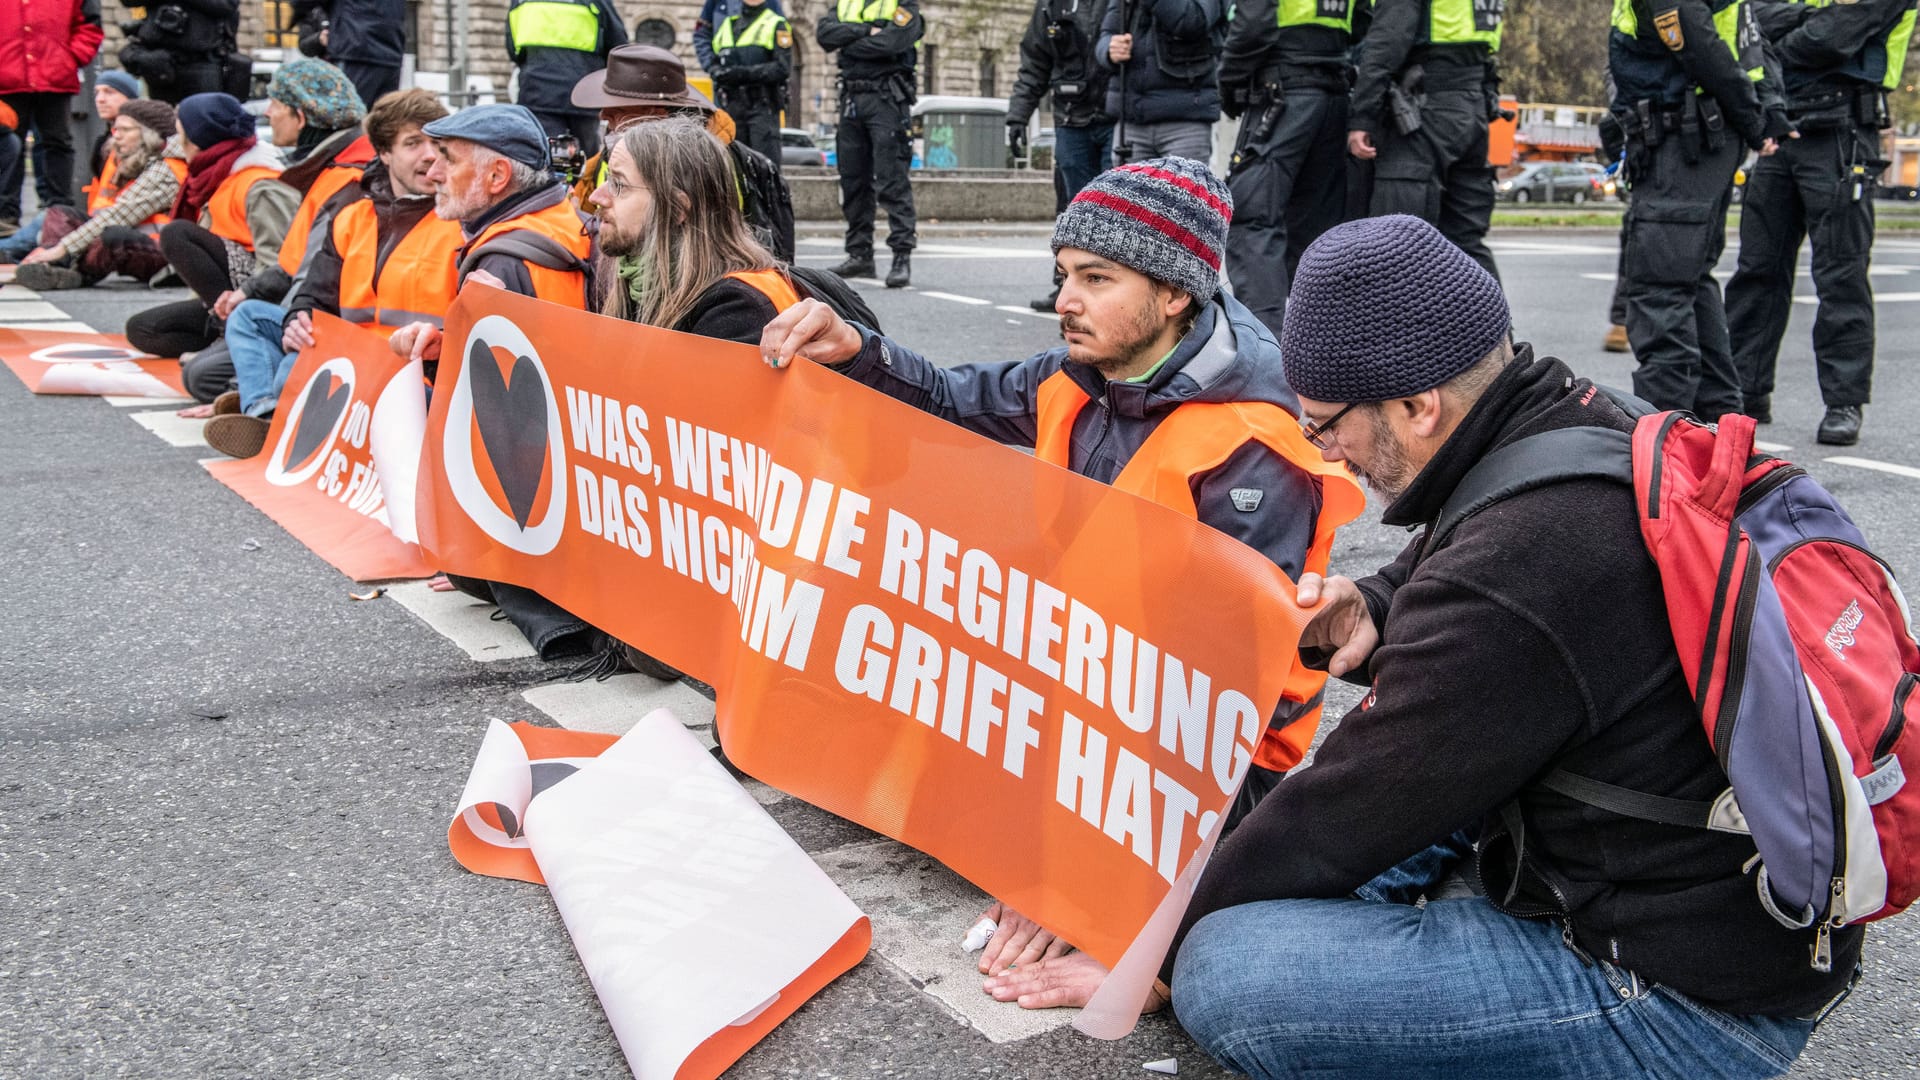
(507,130)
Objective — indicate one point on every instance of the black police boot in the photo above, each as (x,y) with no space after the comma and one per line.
(1046,303)
(902,270)
(1841,426)
(854,266)
(1760,407)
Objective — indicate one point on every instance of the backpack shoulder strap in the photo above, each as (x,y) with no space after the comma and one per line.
(1551,457)
(528,246)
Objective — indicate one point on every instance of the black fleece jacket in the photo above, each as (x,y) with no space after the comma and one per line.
(1536,638)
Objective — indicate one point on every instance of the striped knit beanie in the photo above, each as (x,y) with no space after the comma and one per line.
(1166,217)
(1385,308)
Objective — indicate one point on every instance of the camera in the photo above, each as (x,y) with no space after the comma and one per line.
(568,158)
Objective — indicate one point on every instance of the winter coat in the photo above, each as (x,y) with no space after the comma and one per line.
(547,75)
(1164,31)
(1065,56)
(1553,589)
(45,43)
(367,32)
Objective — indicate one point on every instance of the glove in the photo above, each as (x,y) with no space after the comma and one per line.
(1017,137)
(1234,98)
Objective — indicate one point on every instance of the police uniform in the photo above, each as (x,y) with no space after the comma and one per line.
(1689,81)
(1837,63)
(876,42)
(1284,73)
(556,43)
(752,60)
(1425,93)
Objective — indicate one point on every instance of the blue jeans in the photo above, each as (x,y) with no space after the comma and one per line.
(1454,989)
(260,366)
(1082,153)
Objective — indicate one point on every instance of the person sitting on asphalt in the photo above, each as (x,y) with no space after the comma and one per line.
(1151,337)
(111,89)
(1535,638)
(492,174)
(230,217)
(118,235)
(645,82)
(384,260)
(314,114)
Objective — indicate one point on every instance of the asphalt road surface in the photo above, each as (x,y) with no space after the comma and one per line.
(224,785)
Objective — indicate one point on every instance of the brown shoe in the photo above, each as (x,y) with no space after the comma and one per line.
(237,436)
(1616,339)
(227,404)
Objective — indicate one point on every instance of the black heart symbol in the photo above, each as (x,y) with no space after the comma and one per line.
(512,417)
(105,352)
(326,397)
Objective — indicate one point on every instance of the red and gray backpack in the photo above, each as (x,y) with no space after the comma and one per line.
(1795,639)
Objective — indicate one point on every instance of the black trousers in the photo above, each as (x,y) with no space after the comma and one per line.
(190,78)
(1676,231)
(759,127)
(46,115)
(551,630)
(1288,188)
(873,151)
(1808,191)
(371,81)
(200,258)
(1440,172)
(584,127)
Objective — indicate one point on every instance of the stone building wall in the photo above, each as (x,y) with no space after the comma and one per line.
(971,47)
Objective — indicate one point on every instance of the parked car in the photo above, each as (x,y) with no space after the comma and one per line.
(1556,181)
(798,148)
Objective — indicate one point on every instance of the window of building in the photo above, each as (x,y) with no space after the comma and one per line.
(929,69)
(989,72)
(657,32)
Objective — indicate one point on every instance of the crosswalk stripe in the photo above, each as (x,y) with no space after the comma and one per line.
(173,430)
(464,621)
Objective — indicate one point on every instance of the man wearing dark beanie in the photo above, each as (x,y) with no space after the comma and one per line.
(1153,348)
(1341,929)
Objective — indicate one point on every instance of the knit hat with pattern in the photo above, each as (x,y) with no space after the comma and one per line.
(319,90)
(157,115)
(1384,308)
(1166,218)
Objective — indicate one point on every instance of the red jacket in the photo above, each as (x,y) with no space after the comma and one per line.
(45,43)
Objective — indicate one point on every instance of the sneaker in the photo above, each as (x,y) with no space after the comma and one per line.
(901,272)
(854,266)
(227,404)
(46,277)
(1841,426)
(1616,339)
(1046,303)
(237,436)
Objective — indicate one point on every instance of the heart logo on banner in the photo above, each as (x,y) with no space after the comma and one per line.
(511,412)
(326,399)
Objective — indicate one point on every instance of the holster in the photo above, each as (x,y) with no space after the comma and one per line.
(1405,99)
(1715,124)
(1690,131)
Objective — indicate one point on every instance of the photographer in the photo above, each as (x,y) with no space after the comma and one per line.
(186,48)
(43,46)
(1056,55)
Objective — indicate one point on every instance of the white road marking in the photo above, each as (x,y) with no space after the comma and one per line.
(68,327)
(1907,471)
(122,402)
(612,707)
(9,291)
(1047,315)
(173,430)
(1771,447)
(1040,250)
(1878,298)
(24,310)
(957,299)
(460,619)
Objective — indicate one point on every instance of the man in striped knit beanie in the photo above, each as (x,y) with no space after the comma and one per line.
(1151,341)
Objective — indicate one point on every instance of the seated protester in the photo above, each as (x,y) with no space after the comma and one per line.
(128,204)
(1153,339)
(1615,946)
(111,89)
(230,216)
(492,174)
(384,260)
(314,115)
(645,82)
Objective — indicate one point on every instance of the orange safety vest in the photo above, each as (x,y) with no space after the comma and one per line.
(772,284)
(561,224)
(345,170)
(227,210)
(1193,439)
(414,285)
(104,190)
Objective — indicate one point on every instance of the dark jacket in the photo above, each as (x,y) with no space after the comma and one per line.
(1554,590)
(869,57)
(1175,68)
(769,202)
(1840,47)
(750,77)
(269,281)
(547,75)
(1394,42)
(370,32)
(1227,356)
(394,217)
(1314,56)
(730,310)
(1645,69)
(711,12)
(1056,53)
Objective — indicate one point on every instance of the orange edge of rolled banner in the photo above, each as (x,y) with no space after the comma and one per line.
(726,1046)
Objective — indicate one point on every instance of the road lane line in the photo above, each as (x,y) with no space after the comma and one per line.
(1907,471)
(1047,315)
(462,620)
(173,430)
(1771,447)
(957,299)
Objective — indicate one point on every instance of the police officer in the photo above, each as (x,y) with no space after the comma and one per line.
(711,12)
(1837,63)
(1690,91)
(876,41)
(1056,57)
(1284,72)
(752,60)
(557,43)
(1425,94)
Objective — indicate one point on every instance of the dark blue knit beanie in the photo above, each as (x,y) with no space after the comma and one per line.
(213,118)
(1384,308)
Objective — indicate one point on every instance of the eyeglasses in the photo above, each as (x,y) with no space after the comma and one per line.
(1316,433)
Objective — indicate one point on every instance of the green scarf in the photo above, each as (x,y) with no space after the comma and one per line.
(637,272)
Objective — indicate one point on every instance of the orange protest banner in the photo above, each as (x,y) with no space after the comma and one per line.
(1052,686)
(316,475)
(55,362)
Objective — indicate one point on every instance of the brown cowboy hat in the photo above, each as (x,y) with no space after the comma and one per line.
(639,75)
